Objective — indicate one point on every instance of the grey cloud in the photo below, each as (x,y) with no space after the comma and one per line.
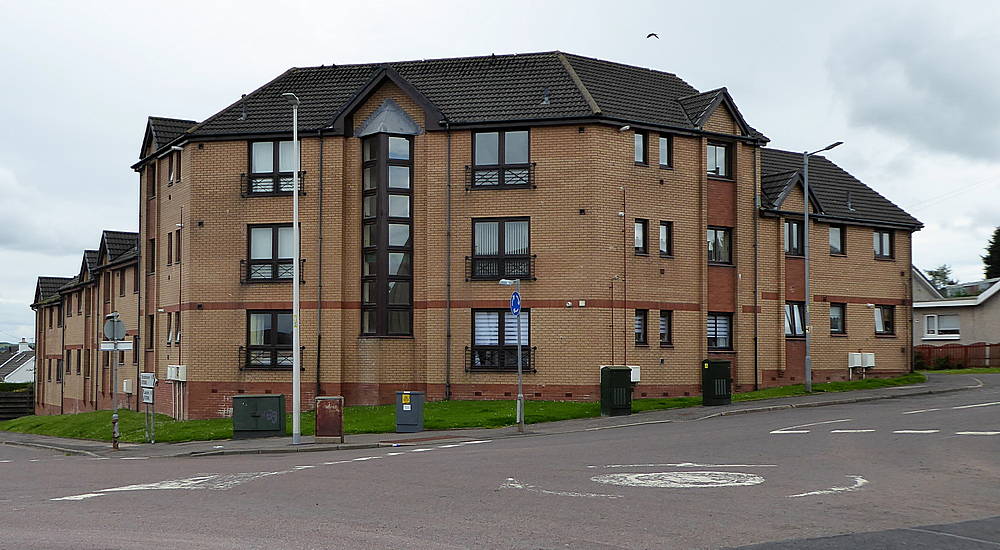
(903,73)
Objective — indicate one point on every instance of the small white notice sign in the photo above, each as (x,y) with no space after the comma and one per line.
(407,407)
(147,395)
(123,345)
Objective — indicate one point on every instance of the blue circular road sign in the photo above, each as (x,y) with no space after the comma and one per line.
(515,303)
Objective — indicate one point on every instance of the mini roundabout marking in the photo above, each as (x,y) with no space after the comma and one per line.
(680,480)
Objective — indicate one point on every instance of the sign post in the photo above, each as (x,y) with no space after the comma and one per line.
(147,380)
(114,330)
(515,310)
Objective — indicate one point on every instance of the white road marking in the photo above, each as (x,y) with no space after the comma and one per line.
(101,458)
(921,411)
(681,480)
(336,462)
(4,461)
(859,482)
(303,467)
(977,405)
(627,425)
(686,465)
(80,497)
(449,446)
(135,458)
(476,442)
(512,483)
(791,429)
(977,433)
(394,454)
(916,431)
(34,460)
(363,458)
(850,431)
(421,450)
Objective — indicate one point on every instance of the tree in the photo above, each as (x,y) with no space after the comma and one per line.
(991,261)
(941,277)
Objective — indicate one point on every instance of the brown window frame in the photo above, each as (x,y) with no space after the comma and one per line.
(502,167)
(177,246)
(378,305)
(795,311)
(151,256)
(729,335)
(728,147)
(277,186)
(888,328)
(274,262)
(797,226)
(150,332)
(668,251)
(503,355)
(728,232)
(121,281)
(502,265)
(272,348)
(640,327)
(642,250)
(843,318)
(640,148)
(151,181)
(666,337)
(843,239)
(880,255)
(170,247)
(668,140)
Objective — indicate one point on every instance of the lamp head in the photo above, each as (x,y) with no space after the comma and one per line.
(292,98)
(832,145)
(506,282)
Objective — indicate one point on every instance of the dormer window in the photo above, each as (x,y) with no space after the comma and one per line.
(271,166)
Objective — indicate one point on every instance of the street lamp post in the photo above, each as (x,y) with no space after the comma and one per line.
(516,283)
(296,355)
(805,250)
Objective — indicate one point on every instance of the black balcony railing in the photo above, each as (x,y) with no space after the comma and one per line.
(267,186)
(269,271)
(493,268)
(267,358)
(499,359)
(486,177)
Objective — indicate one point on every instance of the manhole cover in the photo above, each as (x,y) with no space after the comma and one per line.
(678,480)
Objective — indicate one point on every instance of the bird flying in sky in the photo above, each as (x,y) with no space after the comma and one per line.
(653,35)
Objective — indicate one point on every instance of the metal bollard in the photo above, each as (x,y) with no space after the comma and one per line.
(114,431)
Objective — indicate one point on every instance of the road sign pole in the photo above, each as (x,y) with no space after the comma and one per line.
(520,376)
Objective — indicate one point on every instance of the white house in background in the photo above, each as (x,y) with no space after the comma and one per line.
(19,367)
(962,320)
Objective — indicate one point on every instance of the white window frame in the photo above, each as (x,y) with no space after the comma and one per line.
(933,319)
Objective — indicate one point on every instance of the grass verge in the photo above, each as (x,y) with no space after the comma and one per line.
(439,415)
(974,370)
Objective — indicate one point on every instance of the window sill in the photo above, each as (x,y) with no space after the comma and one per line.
(838,255)
(722,351)
(885,259)
(666,346)
(642,254)
(646,164)
(666,256)
(505,186)
(795,338)
(721,178)
(885,335)
(374,337)
(666,167)
(719,264)
(946,337)
(798,256)
(638,345)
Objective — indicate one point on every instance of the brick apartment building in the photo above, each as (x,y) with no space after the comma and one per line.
(648,221)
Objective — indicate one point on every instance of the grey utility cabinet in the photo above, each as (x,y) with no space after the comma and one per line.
(409,411)
(258,415)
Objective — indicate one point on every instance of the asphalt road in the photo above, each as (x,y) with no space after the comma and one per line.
(919,472)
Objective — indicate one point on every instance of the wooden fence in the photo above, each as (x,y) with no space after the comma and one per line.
(957,356)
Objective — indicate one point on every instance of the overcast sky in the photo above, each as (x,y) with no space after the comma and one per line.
(912,88)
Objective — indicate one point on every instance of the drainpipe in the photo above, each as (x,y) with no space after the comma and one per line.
(756,271)
(447,272)
(319,270)
(62,354)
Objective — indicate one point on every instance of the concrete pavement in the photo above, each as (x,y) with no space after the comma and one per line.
(935,384)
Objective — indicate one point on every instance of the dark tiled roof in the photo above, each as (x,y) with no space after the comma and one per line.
(91,256)
(119,243)
(49,286)
(166,130)
(696,106)
(832,187)
(13,363)
(70,283)
(502,88)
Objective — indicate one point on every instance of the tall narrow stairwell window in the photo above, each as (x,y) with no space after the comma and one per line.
(387,236)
